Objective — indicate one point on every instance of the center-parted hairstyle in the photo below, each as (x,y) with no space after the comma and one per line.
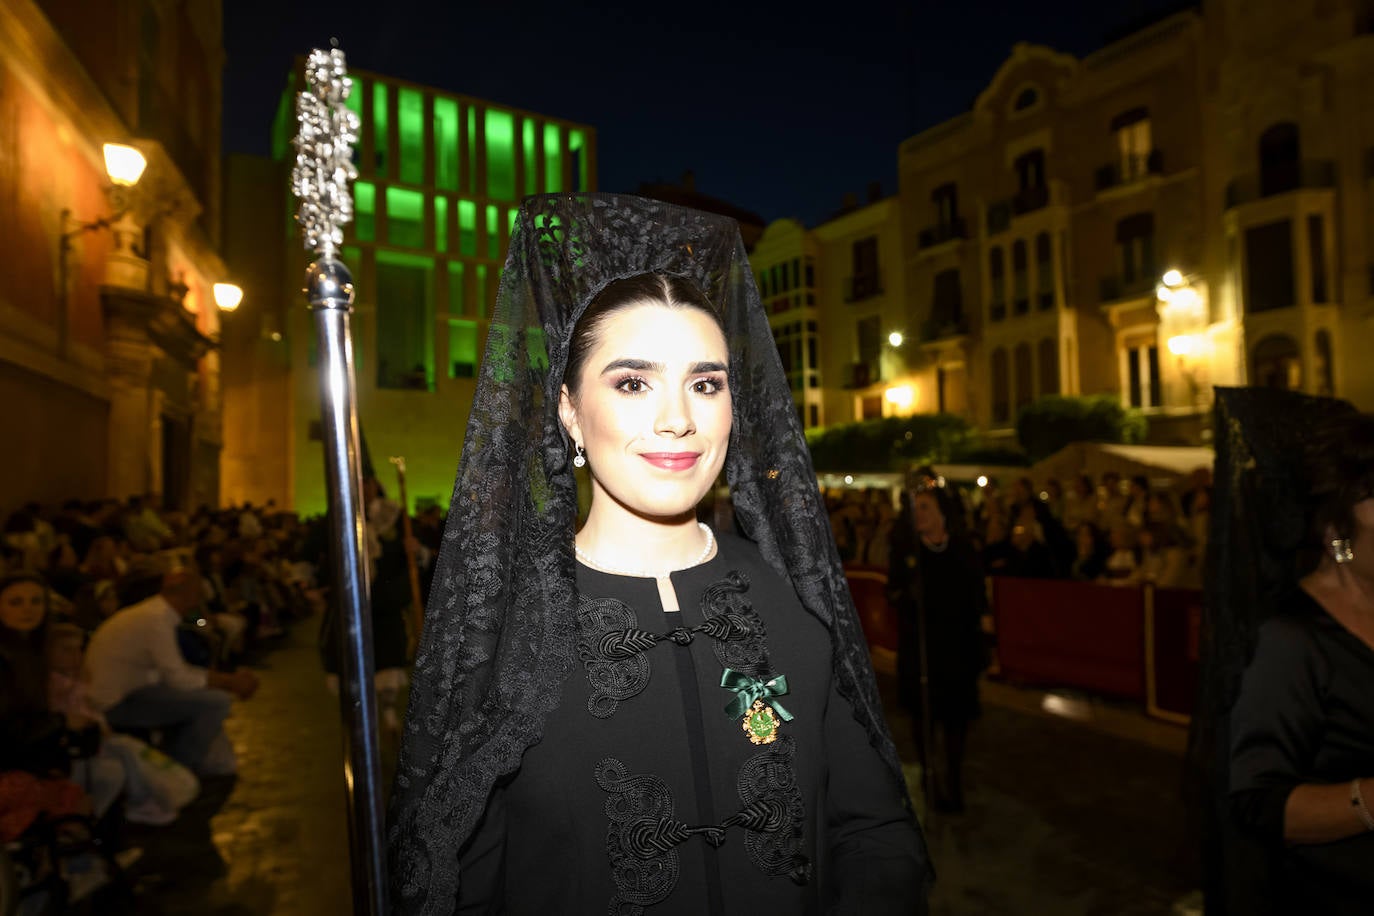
(499,629)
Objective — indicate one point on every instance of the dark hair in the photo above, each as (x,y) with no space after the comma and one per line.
(662,289)
(24,654)
(1340,468)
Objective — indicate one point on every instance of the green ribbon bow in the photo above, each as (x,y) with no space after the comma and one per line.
(748,688)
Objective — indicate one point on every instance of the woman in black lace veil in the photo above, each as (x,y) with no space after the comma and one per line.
(1258,546)
(529,658)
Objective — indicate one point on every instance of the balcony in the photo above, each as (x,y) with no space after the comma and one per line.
(1028,200)
(1115,289)
(861,375)
(1129,170)
(942,232)
(1306,175)
(862,286)
(933,329)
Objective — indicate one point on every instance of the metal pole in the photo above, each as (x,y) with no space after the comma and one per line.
(320,179)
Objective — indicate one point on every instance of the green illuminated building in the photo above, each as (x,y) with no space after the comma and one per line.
(440,180)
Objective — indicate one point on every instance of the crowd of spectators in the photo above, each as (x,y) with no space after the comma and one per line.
(1112,530)
(122,635)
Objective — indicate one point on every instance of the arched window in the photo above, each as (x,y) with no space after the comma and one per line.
(1323,370)
(1049,366)
(1020,279)
(1280,156)
(1044,272)
(1026,99)
(1025,381)
(997,283)
(1277,363)
(1001,388)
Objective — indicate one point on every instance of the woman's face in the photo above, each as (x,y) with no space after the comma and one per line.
(652,409)
(22,606)
(929,520)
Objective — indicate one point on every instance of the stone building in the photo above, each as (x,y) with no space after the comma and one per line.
(108,321)
(1186,207)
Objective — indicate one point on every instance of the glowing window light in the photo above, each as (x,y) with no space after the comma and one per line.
(900,396)
(553,159)
(500,126)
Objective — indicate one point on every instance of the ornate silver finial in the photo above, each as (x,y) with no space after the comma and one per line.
(324,152)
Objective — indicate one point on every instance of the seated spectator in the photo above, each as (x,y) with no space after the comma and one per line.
(140,680)
(1028,557)
(1080,503)
(1089,556)
(1124,560)
(1163,562)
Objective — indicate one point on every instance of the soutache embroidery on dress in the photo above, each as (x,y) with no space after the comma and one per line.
(768,782)
(611,647)
(728,597)
(643,857)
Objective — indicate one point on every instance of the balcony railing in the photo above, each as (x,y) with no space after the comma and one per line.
(861,375)
(1310,173)
(999,214)
(1129,170)
(933,329)
(943,232)
(862,286)
(1114,288)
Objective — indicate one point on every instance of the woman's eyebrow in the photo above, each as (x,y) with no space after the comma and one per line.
(644,365)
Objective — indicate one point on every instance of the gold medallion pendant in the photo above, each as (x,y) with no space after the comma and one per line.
(761,724)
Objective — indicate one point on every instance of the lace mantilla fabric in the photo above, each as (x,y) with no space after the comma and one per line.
(500,633)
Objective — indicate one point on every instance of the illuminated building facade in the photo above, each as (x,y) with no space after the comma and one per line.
(1186,207)
(108,324)
(835,297)
(440,180)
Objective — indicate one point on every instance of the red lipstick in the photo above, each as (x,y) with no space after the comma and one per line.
(671,461)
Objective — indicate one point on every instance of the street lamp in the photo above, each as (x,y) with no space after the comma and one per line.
(228,296)
(124,164)
(895,338)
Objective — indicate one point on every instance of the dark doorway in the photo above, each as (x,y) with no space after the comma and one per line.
(176,462)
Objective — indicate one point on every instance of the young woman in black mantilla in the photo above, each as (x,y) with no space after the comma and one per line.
(644,717)
(935,581)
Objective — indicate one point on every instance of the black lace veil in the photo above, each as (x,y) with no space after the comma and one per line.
(498,632)
(1258,524)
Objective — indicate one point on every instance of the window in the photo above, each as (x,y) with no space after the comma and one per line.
(446,144)
(405,218)
(1269,278)
(869,333)
(1044,271)
(379,127)
(1021,360)
(404,322)
(1133,143)
(997,283)
(813,415)
(1135,252)
(467,228)
(462,349)
(410,112)
(1316,247)
(1277,364)
(1030,170)
(1001,388)
(1026,98)
(1048,357)
(1142,375)
(810,266)
(529,155)
(364,211)
(553,162)
(946,200)
(1280,158)
(500,138)
(947,303)
(1020,280)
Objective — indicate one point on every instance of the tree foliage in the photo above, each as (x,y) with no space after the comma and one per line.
(888,444)
(1052,422)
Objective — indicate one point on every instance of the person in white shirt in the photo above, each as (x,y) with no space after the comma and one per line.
(139,678)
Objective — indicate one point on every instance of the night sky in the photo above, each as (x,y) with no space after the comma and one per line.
(778,108)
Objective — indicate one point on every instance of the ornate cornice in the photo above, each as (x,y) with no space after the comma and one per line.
(132,314)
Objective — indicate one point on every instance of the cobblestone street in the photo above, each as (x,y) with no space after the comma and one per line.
(1065,816)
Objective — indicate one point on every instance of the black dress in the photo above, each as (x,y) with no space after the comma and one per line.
(1305,715)
(950,586)
(645,796)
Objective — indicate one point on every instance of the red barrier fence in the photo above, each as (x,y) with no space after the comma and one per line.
(1135,642)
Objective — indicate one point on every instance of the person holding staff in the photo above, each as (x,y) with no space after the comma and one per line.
(642,716)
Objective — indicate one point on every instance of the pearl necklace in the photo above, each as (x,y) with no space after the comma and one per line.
(649,574)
